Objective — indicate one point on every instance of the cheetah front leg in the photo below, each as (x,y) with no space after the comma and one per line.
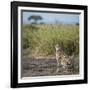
(57,70)
(58,65)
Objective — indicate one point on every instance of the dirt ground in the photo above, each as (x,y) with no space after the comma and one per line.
(42,67)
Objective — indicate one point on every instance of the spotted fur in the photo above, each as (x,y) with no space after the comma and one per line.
(62,59)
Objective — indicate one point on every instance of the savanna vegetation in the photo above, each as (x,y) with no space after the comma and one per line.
(40,39)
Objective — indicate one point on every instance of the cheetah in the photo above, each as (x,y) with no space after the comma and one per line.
(62,59)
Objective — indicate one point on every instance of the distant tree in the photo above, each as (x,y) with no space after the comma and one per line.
(77,23)
(35,18)
(42,23)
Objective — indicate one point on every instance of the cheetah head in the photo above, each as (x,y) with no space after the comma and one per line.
(57,47)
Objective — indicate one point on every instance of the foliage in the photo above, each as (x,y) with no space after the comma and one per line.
(41,39)
(35,18)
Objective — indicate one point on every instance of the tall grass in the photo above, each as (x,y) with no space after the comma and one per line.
(41,39)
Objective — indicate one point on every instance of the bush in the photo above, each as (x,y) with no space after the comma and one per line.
(41,39)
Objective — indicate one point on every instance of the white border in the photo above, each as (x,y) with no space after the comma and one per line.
(58,77)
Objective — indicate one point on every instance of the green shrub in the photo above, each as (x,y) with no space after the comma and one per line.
(41,39)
